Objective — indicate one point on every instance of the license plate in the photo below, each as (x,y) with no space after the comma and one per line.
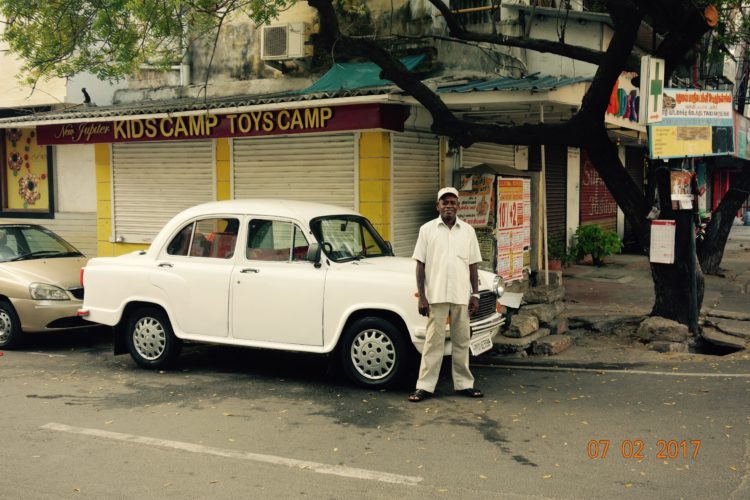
(480,344)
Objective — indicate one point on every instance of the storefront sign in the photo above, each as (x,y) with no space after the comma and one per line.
(624,103)
(652,84)
(476,199)
(251,123)
(695,123)
(597,204)
(662,241)
(513,226)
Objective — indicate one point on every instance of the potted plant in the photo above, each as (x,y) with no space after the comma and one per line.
(592,240)
(558,255)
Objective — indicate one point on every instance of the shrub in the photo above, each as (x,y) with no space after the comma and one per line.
(592,240)
(557,251)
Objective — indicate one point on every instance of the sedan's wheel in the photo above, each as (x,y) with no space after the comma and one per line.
(10,327)
(373,352)
(151,341)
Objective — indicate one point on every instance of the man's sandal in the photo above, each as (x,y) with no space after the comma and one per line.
(419,395)
(471,393)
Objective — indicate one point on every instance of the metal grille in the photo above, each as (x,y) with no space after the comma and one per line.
(487,306)
(274,40)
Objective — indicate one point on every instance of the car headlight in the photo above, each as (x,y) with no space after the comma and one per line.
(43,291)
(498,286)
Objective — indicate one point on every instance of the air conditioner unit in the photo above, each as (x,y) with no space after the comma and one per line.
(283,41)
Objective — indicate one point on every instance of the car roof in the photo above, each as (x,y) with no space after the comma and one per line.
(302,210)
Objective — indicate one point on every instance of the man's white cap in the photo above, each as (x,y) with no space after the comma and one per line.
(447,190)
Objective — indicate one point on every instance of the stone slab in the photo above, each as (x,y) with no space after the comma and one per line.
(730,326)
(522,325)
(736,315)
(523,342)
(666,346)
(722,339)
(551,345)
(656,328)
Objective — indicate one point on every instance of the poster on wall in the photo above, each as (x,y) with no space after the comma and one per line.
(513,226)
(695,123)
(741,149)
(662,241)
(681,190)
(476,199)
(25,173)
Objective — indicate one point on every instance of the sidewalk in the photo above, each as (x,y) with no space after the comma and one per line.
(604,306)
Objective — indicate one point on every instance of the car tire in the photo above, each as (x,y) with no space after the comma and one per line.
(10,326)
(373,353)
(150,338)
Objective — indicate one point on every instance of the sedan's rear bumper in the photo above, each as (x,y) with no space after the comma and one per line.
(48,315)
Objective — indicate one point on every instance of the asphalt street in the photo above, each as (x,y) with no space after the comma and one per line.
(234,423)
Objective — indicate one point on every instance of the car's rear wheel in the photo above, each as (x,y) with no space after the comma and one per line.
(373,353)
(151,341)
(10,326)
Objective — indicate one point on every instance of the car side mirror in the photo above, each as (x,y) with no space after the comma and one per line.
(313,254)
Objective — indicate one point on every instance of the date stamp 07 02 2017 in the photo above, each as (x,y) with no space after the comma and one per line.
(634,448)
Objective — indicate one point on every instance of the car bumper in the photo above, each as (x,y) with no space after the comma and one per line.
(49,315)
(490,325)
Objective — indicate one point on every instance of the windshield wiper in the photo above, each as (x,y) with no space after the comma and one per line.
(45,253)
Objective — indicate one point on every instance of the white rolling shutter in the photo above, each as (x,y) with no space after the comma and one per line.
(152,181)
(301,167)
(484,152)
(416,178)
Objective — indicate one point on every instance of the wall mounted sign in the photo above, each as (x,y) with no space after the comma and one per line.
(211,126)
(695,123)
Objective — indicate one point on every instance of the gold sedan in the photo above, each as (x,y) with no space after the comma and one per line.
(40,286)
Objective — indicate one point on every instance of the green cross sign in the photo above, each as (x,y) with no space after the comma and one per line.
(656,88)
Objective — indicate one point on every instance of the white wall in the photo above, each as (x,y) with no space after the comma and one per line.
(75,178)
(101,92)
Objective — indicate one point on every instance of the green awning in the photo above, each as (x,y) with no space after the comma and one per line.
(349,76)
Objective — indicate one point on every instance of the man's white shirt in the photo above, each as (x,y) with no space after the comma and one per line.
(447,254)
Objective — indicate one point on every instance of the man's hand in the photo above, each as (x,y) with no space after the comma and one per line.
(473,305)
(424,306)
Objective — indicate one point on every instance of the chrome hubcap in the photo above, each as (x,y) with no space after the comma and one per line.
(373,354)
(5,326)
(149,338)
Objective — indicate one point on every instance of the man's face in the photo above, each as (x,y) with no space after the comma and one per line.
(447,206)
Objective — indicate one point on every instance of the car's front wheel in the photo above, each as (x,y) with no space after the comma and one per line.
(373,353)
(10,326)
(151,341)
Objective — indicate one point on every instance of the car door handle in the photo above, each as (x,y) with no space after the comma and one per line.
(166,264)
(249,270)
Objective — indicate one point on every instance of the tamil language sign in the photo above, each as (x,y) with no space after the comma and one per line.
(210,126)
(695,123)
(513,226)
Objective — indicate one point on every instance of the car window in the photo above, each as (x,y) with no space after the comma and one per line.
(181,242)
(347,237)
(215,237)
(274,240)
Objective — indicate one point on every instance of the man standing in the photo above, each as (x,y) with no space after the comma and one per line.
(447,253)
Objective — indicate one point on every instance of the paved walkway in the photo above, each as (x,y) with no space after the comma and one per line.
(615,296)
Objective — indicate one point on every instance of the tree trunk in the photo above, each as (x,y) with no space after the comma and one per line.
(673,282)
(711,251)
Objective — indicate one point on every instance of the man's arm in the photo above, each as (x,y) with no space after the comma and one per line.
(423,305)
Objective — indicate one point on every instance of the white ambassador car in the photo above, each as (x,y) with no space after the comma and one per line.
(274,274)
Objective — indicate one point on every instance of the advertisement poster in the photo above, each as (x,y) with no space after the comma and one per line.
(25,173)
(662,241)
(476,199)
(513,226)
(740,137)
(681,191)
(694,123)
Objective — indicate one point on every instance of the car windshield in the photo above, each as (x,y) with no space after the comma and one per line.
(32,242)
(348,237)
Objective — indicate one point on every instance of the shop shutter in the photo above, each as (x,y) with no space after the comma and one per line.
(317,168)
(153,181)
(416,181)
(556,172)
(483,152)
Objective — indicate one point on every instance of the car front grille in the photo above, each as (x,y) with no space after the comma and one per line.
(77,292)
(487,306)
